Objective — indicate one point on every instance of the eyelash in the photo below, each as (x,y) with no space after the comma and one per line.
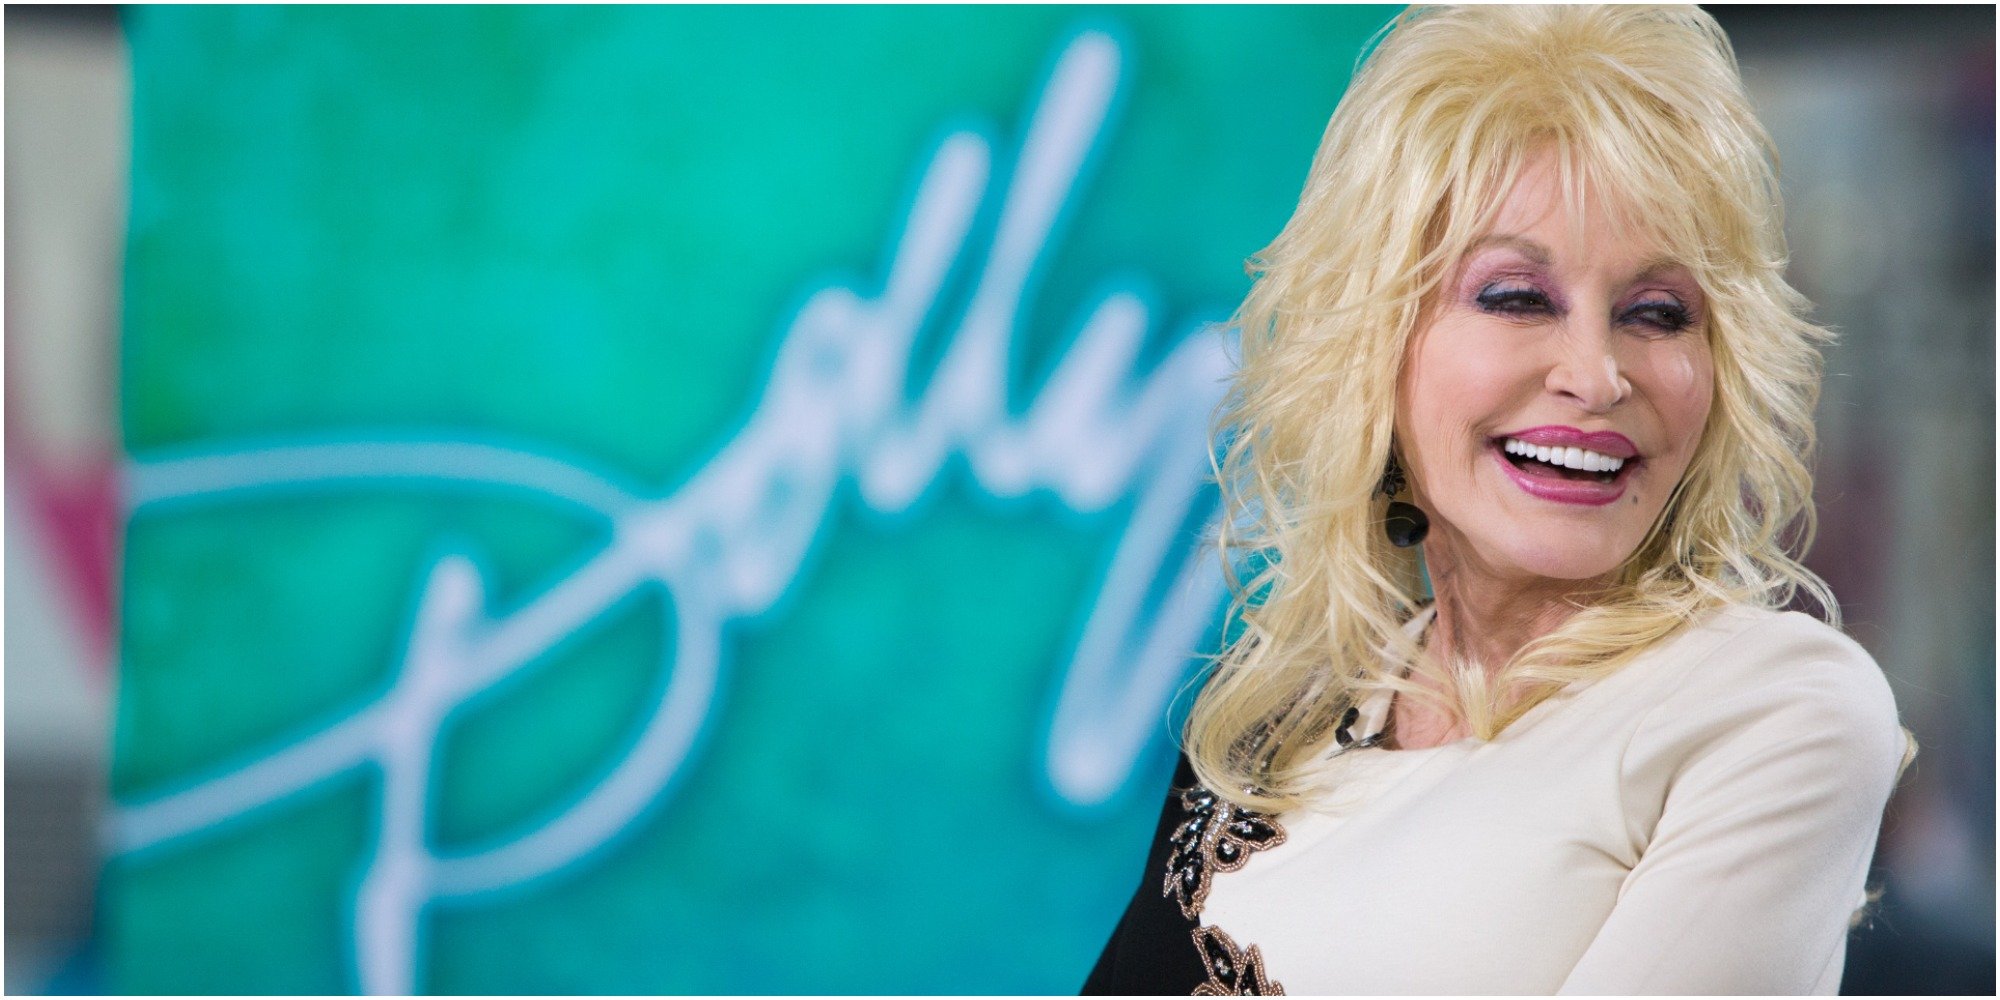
(1671,317)
(1665,316)
(1513,301)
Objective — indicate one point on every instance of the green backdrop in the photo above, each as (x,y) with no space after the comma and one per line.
(672,499)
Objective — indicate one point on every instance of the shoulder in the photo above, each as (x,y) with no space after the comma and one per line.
(1757,683)
(1771,658)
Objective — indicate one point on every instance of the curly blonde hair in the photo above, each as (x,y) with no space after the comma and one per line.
(1645,103)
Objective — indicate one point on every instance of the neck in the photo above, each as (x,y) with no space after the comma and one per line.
(1484,619)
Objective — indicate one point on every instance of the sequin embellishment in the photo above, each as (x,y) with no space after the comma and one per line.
(1232,971)
(1216,837)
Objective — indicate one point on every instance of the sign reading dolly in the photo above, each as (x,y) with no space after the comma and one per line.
(672,500)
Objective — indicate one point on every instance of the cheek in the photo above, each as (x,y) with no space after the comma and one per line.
(1451,398)
(1684,384)
(1682,375)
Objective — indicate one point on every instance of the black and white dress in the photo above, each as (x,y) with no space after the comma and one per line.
(1699,821)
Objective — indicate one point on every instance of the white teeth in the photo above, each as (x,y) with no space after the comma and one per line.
(1569,458)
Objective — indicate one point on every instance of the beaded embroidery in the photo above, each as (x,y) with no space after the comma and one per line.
(1232,971)
(1216,837)
(1219,837)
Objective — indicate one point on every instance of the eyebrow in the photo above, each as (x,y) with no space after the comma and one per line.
(1660,267)
(1535,252)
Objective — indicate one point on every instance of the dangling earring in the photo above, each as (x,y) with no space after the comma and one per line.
(1406,524)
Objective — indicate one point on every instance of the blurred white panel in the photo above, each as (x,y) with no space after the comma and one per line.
(68,117)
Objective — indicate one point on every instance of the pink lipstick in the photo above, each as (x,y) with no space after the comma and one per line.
(1567,465)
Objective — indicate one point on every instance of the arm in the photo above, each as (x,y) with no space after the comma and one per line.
(1777,770)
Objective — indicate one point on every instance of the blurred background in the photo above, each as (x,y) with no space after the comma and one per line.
(700,500)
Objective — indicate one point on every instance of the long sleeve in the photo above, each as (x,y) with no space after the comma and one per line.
(1775,762)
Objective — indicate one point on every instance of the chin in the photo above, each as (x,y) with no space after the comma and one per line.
(1577,558)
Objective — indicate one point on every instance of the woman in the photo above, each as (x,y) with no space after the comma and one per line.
(1527,339)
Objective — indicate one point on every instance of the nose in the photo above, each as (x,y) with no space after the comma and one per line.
(1586,369)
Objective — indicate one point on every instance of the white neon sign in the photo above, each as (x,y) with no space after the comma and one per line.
(734,538)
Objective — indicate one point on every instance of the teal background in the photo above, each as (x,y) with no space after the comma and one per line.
(582,230)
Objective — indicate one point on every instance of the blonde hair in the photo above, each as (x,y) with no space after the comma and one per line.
(1645,103)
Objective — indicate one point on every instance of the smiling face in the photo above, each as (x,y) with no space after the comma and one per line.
(1554,395)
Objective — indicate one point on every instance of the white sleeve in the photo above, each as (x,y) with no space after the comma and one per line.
(1776,767)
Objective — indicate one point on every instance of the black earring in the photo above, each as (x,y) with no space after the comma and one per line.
(1406,524)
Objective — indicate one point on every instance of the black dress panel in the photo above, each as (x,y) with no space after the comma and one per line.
(1160,945)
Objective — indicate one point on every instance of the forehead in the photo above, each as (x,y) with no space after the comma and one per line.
(1565,219)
